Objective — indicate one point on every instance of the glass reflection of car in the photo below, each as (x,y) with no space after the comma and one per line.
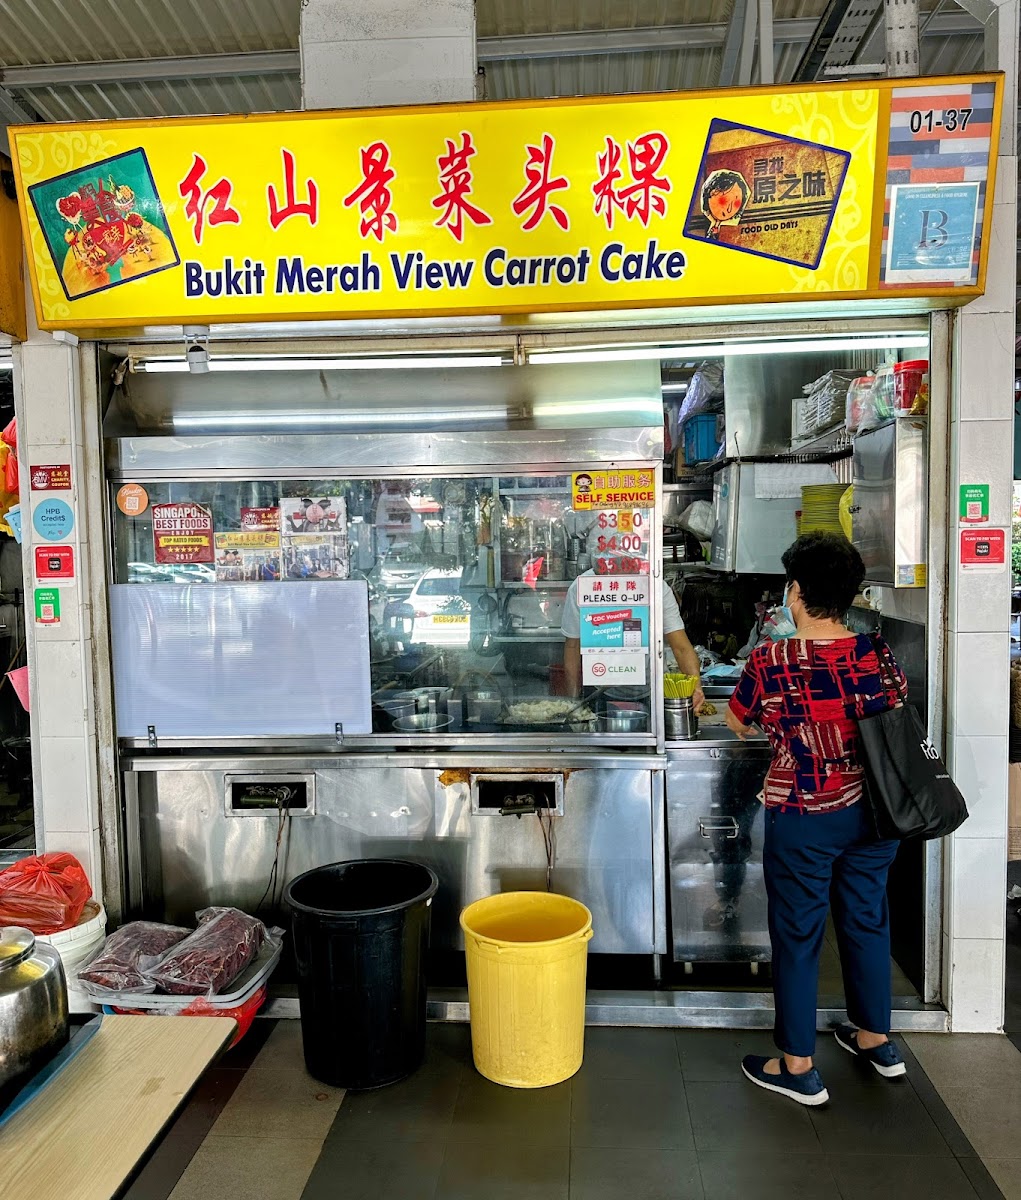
(194,573)
(139,572)
(401,568)
(442,615)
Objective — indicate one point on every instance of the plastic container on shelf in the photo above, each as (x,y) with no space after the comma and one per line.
(859,396)
(252,978)
(702,438)
(911,387)
(244,1011)
(74,945)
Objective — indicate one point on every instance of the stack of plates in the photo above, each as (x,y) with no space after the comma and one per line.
(820,507)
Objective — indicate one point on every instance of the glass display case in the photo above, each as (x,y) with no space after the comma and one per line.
(467,577)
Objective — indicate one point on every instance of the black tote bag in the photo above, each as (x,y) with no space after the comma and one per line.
(908,787)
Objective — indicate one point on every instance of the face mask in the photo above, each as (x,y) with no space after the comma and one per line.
(782,625)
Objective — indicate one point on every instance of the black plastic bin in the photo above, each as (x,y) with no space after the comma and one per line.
(360,936)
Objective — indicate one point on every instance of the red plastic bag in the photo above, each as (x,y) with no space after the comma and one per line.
(45,893)
(10,438)
(244,1014)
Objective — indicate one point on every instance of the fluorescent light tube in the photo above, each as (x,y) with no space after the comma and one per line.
(887,341)
(158,366)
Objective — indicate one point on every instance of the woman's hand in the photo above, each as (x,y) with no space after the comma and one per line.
(736,726)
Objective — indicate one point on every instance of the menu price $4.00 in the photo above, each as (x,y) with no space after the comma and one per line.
(950,119)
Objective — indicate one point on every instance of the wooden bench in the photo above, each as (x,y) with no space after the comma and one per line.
(84,1133)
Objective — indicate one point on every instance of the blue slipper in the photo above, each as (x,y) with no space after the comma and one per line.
(803,1089)
(885,1058)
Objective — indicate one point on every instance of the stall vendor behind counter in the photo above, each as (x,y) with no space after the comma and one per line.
(673,632)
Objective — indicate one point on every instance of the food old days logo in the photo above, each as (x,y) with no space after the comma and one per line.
(517,207)
(766,193)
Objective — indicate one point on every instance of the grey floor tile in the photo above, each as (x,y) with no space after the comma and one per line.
(206,1102)
(419,1109)
(513,1171)
(952,1059)
(1007,1174)
(889,1120)
(981,1180)
(448,1045)
(714,1055)
(487,1112)
(271,1168)
(282,1050)
(642,1174)
(348,1171)
(630,1114)
(277,1104)
(630,1054)
(878,1177)
(738,1175)
(989,1117)
(741,1115)
(168,1162)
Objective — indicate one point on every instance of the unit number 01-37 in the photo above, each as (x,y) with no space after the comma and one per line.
(950,119)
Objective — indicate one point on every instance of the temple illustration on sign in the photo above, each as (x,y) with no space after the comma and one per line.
(104,224)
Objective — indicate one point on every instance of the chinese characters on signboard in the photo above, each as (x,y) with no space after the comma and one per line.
(492,208)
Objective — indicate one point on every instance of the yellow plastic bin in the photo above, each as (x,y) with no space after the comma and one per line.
(527,953)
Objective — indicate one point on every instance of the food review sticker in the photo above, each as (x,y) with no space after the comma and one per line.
(182,533)
(53,520)
(613,489)
(132,499)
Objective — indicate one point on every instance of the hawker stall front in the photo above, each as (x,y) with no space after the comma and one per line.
(440,448)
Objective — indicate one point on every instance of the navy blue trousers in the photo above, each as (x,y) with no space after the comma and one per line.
(812,861)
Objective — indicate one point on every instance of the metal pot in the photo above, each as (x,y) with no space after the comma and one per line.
(33,1008)
(624,720)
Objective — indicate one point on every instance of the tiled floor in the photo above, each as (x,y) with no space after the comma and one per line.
(652,1114)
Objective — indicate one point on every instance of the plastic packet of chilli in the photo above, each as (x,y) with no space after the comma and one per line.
(118,967)
(211,956)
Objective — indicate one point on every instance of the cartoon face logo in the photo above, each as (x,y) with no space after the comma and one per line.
(584,484)
(723,200)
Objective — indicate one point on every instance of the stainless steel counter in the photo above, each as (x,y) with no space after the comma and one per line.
(714,849)
(199,835)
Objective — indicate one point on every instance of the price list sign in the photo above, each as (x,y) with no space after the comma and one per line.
(622,543)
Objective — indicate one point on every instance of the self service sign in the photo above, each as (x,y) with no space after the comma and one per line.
(726,196)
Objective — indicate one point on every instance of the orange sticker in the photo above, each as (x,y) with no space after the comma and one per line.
(132,499)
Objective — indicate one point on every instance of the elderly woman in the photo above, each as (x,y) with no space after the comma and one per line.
(807,692)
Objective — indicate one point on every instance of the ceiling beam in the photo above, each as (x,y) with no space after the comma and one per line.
(11,113)
(569,44)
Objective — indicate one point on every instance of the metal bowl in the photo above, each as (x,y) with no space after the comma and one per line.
(624,720)
(422,723)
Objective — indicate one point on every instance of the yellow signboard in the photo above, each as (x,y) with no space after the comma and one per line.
(613,489)
(12,281)
(712,197)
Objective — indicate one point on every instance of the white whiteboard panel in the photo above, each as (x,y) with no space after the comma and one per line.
(241,659)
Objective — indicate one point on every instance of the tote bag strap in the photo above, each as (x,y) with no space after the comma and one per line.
(890,682)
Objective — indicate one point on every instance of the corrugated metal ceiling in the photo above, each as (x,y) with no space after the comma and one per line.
(68,31)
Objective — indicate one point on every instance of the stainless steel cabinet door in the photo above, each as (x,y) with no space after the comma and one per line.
(714,837)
